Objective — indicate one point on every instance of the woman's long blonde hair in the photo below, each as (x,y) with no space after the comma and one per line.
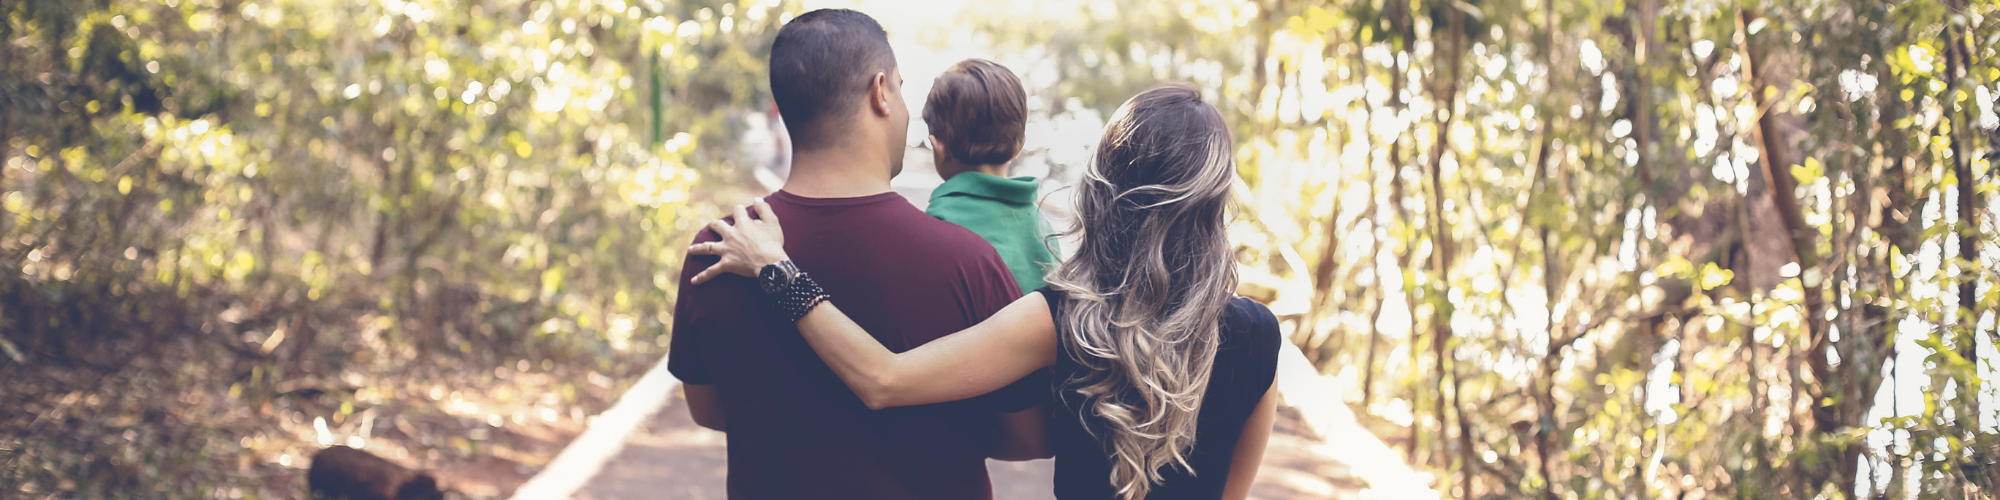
(1148,286)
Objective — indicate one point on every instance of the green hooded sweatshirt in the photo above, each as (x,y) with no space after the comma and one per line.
(1003,211)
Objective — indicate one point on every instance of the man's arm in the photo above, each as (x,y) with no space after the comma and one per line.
(705,405)
(704,399)
(1022,436)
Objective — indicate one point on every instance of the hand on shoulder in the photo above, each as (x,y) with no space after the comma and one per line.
(746,246)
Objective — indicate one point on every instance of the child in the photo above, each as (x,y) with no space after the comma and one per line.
(977,113)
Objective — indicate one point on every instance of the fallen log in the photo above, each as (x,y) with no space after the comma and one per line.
(343,473)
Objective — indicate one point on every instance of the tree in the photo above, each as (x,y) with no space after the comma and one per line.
(1740,214)
(238,198)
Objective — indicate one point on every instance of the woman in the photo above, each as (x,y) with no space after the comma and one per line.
(1164,377)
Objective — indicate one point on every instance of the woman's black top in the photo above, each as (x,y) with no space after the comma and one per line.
(1245,363)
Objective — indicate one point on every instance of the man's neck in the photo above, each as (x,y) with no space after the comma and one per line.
(836,174)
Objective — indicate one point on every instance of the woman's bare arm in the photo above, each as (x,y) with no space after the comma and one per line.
(1250,447)
(1014,342)
(1005,347)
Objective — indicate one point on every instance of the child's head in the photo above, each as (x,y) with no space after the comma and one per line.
(978,115)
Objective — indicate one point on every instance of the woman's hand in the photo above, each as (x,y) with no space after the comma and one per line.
(747,246)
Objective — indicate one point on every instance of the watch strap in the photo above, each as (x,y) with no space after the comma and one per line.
(798,298)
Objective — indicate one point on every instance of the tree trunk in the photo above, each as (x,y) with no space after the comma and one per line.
(1548,429)
(1381,295)
(1543,384)
(1958,62)
(1441,254)
(1397,194)
(1322,283)
(1399,15)
(1775,159)
(1638,90)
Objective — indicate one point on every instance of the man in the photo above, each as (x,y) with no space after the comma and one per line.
(795,430)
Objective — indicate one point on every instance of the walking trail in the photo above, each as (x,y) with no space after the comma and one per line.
(647,447)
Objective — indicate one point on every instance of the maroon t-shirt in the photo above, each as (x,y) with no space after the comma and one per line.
(795,430)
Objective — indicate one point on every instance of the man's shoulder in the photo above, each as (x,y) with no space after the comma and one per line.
(949,245)
(953,238)
(692,263)
(907,231)
(706,235)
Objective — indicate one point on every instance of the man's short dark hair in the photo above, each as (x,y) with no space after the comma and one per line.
(978,112)
(821,63)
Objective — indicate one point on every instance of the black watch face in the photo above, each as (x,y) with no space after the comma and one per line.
(773,278)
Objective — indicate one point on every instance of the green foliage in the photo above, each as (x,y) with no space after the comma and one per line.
(1548,243)
(278,189)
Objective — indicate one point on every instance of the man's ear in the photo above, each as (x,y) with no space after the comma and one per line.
(878,94)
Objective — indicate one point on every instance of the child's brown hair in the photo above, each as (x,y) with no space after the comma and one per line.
(978,113)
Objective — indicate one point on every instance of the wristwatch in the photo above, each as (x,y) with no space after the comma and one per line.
(790,291)
(775,278)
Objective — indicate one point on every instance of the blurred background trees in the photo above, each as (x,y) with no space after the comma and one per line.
(216,210)
(1610,250)
(1556,249)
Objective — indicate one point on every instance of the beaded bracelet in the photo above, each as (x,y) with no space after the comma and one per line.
(798,298)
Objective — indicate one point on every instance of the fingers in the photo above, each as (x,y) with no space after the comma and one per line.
(729,232)
(706,274)
(764,211)
(723,228)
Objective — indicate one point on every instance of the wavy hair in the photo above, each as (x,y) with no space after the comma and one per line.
(1149,283)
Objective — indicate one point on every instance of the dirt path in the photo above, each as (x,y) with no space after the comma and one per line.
(673,459)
